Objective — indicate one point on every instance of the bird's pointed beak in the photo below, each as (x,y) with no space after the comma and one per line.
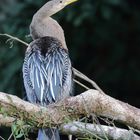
(70,1)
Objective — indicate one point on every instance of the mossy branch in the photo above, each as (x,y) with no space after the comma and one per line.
(71,108)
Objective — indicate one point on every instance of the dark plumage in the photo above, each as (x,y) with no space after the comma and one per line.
(47,72)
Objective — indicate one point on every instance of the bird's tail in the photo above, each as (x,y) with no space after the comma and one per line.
(48,134)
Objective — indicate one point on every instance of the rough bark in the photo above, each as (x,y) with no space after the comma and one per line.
(102,131)
(71,108)
(80,129)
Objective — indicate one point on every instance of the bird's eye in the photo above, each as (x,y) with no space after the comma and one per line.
(60,1)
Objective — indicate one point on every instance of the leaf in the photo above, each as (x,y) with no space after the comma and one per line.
(20,135)
(14,127)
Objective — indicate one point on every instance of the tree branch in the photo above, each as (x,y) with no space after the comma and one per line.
(6,121)
(15,38)
(87,130)
(84,77)
(71,108)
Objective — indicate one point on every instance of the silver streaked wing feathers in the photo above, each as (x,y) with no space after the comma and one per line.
(47,74)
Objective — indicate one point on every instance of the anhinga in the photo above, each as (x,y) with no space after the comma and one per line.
(47,71)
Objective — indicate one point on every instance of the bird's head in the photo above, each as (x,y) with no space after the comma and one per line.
(58,5)
(66,2)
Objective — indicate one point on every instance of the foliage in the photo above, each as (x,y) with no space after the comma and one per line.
(18,130)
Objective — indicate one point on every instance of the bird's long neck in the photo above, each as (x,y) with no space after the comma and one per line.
(43,25)
(45,11)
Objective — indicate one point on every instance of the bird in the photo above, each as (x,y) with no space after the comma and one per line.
(47,70)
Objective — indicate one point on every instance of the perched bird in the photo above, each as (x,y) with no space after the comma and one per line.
(47,71)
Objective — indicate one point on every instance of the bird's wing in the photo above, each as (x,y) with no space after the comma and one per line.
(48,74)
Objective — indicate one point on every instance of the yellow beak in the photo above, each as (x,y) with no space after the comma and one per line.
(70,1)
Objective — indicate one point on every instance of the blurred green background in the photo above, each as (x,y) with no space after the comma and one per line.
(103,37)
